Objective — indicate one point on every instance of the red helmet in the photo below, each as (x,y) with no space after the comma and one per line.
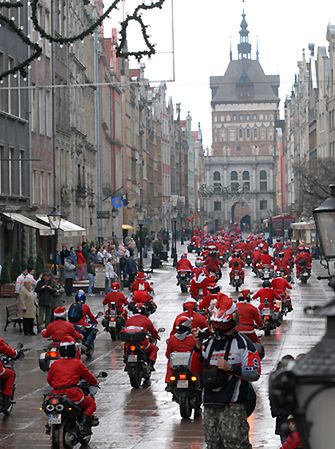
(184,323)
(141,276)
(225,315)
(115,286)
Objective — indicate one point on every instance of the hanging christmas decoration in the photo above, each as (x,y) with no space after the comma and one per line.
(23,66)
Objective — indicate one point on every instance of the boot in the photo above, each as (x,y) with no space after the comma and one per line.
(151,364)
(86,425)
(6,400)
(94,421)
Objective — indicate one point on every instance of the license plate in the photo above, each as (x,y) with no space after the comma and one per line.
(132,358)
(54,419)
(266,312)
(266,275)
(305,274)
(201,292)
(112,324)
(237,278)
(182,384)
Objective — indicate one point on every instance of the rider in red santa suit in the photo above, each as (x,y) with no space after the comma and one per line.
(236,264)
(64,376)
(184,264)
(212,263)
(250,318)
(211,296)
(266,259)
(280,285)
(141,283)
(117,297)
(199,268)
(266,293)
(7,375)
(60,328)
(181,341)
(305,257)
(140,319)
(199,284)
(198,320)
(282,264)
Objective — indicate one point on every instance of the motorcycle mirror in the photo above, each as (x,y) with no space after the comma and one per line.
(152,283)
(161,329)
(102,374)
(19,345)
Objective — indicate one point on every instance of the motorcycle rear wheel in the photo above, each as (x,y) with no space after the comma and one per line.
(135,379)
(57,437)
(267,332)
(85,441)
(185,408)
(183,287)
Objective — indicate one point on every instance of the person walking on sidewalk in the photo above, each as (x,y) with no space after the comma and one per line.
(46,292)
(69,275)
(27,307)
(110,275)
(91,272)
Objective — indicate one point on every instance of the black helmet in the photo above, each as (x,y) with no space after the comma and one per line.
(141,309)
(67,348)
(266,284)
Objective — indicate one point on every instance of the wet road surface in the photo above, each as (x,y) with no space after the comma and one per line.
(147,418)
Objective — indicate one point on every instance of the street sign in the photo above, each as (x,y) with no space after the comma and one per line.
(103,214)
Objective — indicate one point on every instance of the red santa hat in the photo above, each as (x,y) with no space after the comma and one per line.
(60,312)
(190,304)
(140,276)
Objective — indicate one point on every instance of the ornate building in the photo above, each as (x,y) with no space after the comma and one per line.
(240,175)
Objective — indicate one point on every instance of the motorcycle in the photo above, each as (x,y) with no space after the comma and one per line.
(135,357)
(248,260)
(266,273)
(89,333)
(285,275)
(269,319)
(9,362)
(50,354)
(65,418)
(184,279)
(284,305)
(184,385)
(113,321)
(236,279)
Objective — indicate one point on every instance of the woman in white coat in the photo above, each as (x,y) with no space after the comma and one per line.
(27,306)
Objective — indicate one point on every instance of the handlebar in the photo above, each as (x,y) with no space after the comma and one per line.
(321,278)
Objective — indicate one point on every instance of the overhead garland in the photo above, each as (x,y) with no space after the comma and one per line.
(121,51)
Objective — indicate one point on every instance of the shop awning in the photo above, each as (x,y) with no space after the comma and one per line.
(127,227)
(70,229)
(43,230)
(304,225)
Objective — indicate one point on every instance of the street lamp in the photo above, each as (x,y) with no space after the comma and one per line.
(55,220)
(174,215)
(308,389)
(140,220)
(182,228)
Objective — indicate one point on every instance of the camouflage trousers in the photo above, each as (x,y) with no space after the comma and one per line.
(226,427)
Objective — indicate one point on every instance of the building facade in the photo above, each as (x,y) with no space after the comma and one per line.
(240,171)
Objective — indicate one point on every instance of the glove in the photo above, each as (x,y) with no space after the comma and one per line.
(20,355)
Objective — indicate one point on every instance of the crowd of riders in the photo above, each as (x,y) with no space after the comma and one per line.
(213,350)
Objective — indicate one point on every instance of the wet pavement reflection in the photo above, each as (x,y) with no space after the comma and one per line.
(147,418)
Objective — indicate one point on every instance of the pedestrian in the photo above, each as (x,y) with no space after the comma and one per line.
(27,307)
(69,275)
(281,417)
(228,362)
(81,263)
(131,269)
(85,250)
(73,255)
(46,292)
(293,440)
(91,272)
(19,281)
(110,275)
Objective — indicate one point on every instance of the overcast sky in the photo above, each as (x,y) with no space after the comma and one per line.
(203,29)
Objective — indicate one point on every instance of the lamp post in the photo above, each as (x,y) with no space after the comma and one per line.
(308,389)
(55,220)
(174,215)
(140,220)
(182,229)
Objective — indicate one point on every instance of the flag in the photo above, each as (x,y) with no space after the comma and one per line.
(117,202)
(125,200)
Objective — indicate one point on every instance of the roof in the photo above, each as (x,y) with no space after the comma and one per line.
(244,72)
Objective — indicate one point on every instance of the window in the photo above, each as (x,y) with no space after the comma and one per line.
(215,119)
(3,92)
(263,205)
(246,181)
(240,133)
(232,135)
(263,181)
(248,133)
(255,133)
(34,187)
(234,118)
(254,117)
(42,187)
(41,107)
(48,111)
(21,157)
(216,176)
(234,181)
(217,206)
(11,175)
(247,117)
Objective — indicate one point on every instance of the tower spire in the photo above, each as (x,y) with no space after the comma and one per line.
(244,47)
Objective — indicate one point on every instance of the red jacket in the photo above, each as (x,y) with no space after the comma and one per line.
(249,317)
(66,372)
(266,293)
(117,297)
(139,285)
(59,329)
(256,256)
(239,261)
(80,258)
(86,313)
(212,264)
(196,271)
(6,350)
(293,441)
(143,321)
(206,301)
(184,264)
(282,264)
(141,296)
(176,345)
(304,256)
(266,259)
(280,285)
(198,320)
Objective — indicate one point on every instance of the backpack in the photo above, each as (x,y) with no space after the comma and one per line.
(75,312)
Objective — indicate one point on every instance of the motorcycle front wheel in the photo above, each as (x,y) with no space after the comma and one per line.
(185,408)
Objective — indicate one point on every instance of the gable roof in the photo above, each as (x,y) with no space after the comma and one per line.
(244,72)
